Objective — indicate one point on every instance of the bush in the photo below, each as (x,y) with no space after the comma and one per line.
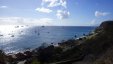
(2,57)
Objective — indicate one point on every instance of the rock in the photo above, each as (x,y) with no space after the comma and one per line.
(28,54)
(20,56)
(106,25)
(22,62)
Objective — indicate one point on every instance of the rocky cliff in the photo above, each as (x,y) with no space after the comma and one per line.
(98,47)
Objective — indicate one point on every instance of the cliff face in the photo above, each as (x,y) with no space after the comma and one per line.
(98,48)
(102,37)
(106,56)
(107,25)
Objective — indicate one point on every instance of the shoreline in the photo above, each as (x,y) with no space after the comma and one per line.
(35,32)
(63,45)
(95,48)
(56,45)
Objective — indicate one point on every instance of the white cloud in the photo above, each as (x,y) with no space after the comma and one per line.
(64,3)
(24,21)
(3,7)
(46,21)
(54,3)
(45,10)
(62,14)
(9,20)
(98,13)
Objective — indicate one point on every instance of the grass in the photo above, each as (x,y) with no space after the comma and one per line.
(35,61)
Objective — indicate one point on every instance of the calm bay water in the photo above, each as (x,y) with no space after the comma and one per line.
(19,38)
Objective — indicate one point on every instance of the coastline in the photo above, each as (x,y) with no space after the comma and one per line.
(93,48)
(64,45)
(35,37)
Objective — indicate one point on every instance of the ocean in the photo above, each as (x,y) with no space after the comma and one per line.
(18,38)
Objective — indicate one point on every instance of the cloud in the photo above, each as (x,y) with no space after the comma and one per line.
(44,10)
(54,3)
(62,14)
(24,21)
(3,7)
(64,3)
(9,20)
(98,13)
(46,21)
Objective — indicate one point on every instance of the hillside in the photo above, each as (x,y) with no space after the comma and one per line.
(98,47)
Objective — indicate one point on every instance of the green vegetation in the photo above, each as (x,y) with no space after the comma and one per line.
(35,61)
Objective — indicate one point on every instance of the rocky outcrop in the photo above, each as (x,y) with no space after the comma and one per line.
(96,48)
(106,26)
(98,45)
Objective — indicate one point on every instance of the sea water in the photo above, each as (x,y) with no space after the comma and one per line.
(18,38)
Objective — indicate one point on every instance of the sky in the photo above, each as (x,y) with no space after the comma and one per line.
(55,12)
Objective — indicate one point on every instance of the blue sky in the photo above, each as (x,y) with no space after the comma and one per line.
(56,12)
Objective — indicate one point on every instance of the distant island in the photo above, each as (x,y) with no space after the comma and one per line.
(94,48)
